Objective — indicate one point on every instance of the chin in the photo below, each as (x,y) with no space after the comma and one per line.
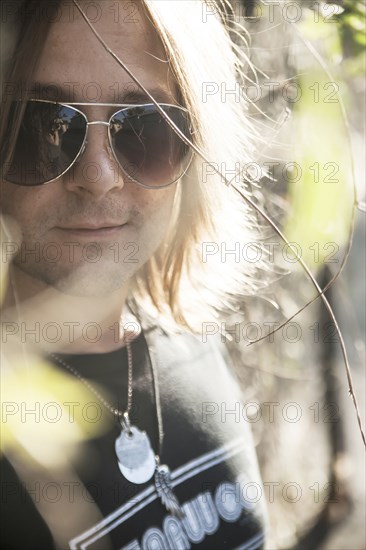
(85,280)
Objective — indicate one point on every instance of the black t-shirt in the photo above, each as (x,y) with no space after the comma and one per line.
(209,452)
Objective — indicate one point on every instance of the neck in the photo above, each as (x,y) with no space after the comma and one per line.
(44,317)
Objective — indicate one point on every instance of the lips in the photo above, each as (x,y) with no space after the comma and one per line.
(91,227)
(101,229)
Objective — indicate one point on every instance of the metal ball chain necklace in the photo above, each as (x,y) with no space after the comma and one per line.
(136,459)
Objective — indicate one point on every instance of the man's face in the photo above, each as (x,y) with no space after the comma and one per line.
(87,233)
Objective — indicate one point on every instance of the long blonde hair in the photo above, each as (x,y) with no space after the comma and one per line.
(208,214)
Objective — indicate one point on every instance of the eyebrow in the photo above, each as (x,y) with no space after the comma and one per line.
(58,93)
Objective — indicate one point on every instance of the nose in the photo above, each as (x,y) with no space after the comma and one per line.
(96,171)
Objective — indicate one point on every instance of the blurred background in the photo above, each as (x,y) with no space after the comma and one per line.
(308,100)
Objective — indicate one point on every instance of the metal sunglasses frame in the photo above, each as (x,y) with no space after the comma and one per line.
(124,106)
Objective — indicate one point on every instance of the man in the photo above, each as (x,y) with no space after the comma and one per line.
(111,229)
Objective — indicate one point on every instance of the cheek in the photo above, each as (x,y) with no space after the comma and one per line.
(25,206)
(157,204)
(156,208)
(13,204)
(7,198)
(15,199)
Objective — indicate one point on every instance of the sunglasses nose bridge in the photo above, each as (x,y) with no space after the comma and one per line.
(85,144)
(95,122)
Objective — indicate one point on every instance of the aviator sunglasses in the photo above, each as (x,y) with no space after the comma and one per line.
(52,136)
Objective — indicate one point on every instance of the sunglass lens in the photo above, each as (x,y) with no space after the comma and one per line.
(49,139)
(147,148)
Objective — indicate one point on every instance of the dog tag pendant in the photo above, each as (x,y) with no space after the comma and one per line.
(136,459)
(132,448)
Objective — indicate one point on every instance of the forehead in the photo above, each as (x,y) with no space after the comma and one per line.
(76,66)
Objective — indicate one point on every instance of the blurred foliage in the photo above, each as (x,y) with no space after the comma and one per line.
(352,26)
(350,19)
(45,413)
(322,198)
(350,16)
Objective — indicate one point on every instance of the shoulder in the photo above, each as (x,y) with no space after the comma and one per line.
(179,347)
(193,374)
